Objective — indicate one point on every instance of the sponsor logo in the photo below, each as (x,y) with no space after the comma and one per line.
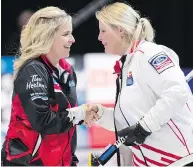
(71,83)
(161,62)
(36,82)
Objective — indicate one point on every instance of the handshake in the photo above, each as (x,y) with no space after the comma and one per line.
(91,114)
(86,114)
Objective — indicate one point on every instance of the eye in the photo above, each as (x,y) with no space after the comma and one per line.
(67,33)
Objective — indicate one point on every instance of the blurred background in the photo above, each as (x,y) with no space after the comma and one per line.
(172,20)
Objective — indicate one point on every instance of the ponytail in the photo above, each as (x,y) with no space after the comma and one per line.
(143,31)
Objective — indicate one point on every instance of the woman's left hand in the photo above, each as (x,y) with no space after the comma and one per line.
(135,134)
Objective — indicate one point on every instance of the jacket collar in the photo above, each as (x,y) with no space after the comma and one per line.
(62,66)
(48,63)
(126,58)
(130,53)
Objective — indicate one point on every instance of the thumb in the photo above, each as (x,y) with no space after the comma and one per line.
(95,116)
(93,107)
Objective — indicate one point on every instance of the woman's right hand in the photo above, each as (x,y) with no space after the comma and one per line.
(91,115)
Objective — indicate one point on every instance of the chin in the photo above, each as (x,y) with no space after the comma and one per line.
(109,52)
(66,55)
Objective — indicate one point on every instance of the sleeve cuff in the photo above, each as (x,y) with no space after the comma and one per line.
(100,110)
(145,127)
(76,114)
(149,125)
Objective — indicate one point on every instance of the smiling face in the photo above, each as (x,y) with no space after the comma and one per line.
(112,38)
(63,41)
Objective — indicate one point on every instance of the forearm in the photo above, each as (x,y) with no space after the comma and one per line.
(77,114)
(57,123)
(168,105)
(46,121)
(106,119)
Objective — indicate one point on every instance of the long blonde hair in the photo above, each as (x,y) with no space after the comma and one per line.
(38,35)
(124,16)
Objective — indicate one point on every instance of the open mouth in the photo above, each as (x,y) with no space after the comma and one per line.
(67,47)
(104,44)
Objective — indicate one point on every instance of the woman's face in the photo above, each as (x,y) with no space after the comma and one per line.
(111,39)
(63,41)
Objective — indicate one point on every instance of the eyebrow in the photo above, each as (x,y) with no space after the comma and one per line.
(67,32)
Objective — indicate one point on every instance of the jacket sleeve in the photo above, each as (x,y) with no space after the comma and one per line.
(164,77)
(106,118)
(32,87)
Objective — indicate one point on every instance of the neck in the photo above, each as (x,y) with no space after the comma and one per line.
(122,50)
(53,60)
(130,49)
(124,47)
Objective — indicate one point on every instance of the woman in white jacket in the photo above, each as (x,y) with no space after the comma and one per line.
(154,104)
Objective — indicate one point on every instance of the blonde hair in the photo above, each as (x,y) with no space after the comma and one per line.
(124,16)
(38,34)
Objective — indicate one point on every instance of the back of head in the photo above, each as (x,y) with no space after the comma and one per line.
(38,34)
(124,16)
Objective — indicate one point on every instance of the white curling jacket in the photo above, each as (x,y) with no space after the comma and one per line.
(155,93)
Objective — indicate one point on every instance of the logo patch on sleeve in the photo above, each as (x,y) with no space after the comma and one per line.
(161,62)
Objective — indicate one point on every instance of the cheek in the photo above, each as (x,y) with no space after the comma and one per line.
(111,37)
(54,45)
(116,39)
(58,46)
(62,41)
(57,43)
(65,40)
(111,40)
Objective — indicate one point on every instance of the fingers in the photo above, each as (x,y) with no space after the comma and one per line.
(88,123)
(90,117)
(95,116)
(92,107)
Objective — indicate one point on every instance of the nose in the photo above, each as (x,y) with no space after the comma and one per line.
(72,40)
(99,37)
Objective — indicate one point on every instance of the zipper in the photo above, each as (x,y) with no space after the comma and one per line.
(124,115)
(120,94)
(62,85)
(36,147)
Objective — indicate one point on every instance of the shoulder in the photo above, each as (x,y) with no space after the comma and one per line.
(34,64)
(32,67)
(158,57)
(152,50)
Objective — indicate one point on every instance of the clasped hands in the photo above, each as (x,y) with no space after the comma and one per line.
(91,114)
(134,134)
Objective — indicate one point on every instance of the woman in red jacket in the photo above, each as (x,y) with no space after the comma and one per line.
(42,129)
